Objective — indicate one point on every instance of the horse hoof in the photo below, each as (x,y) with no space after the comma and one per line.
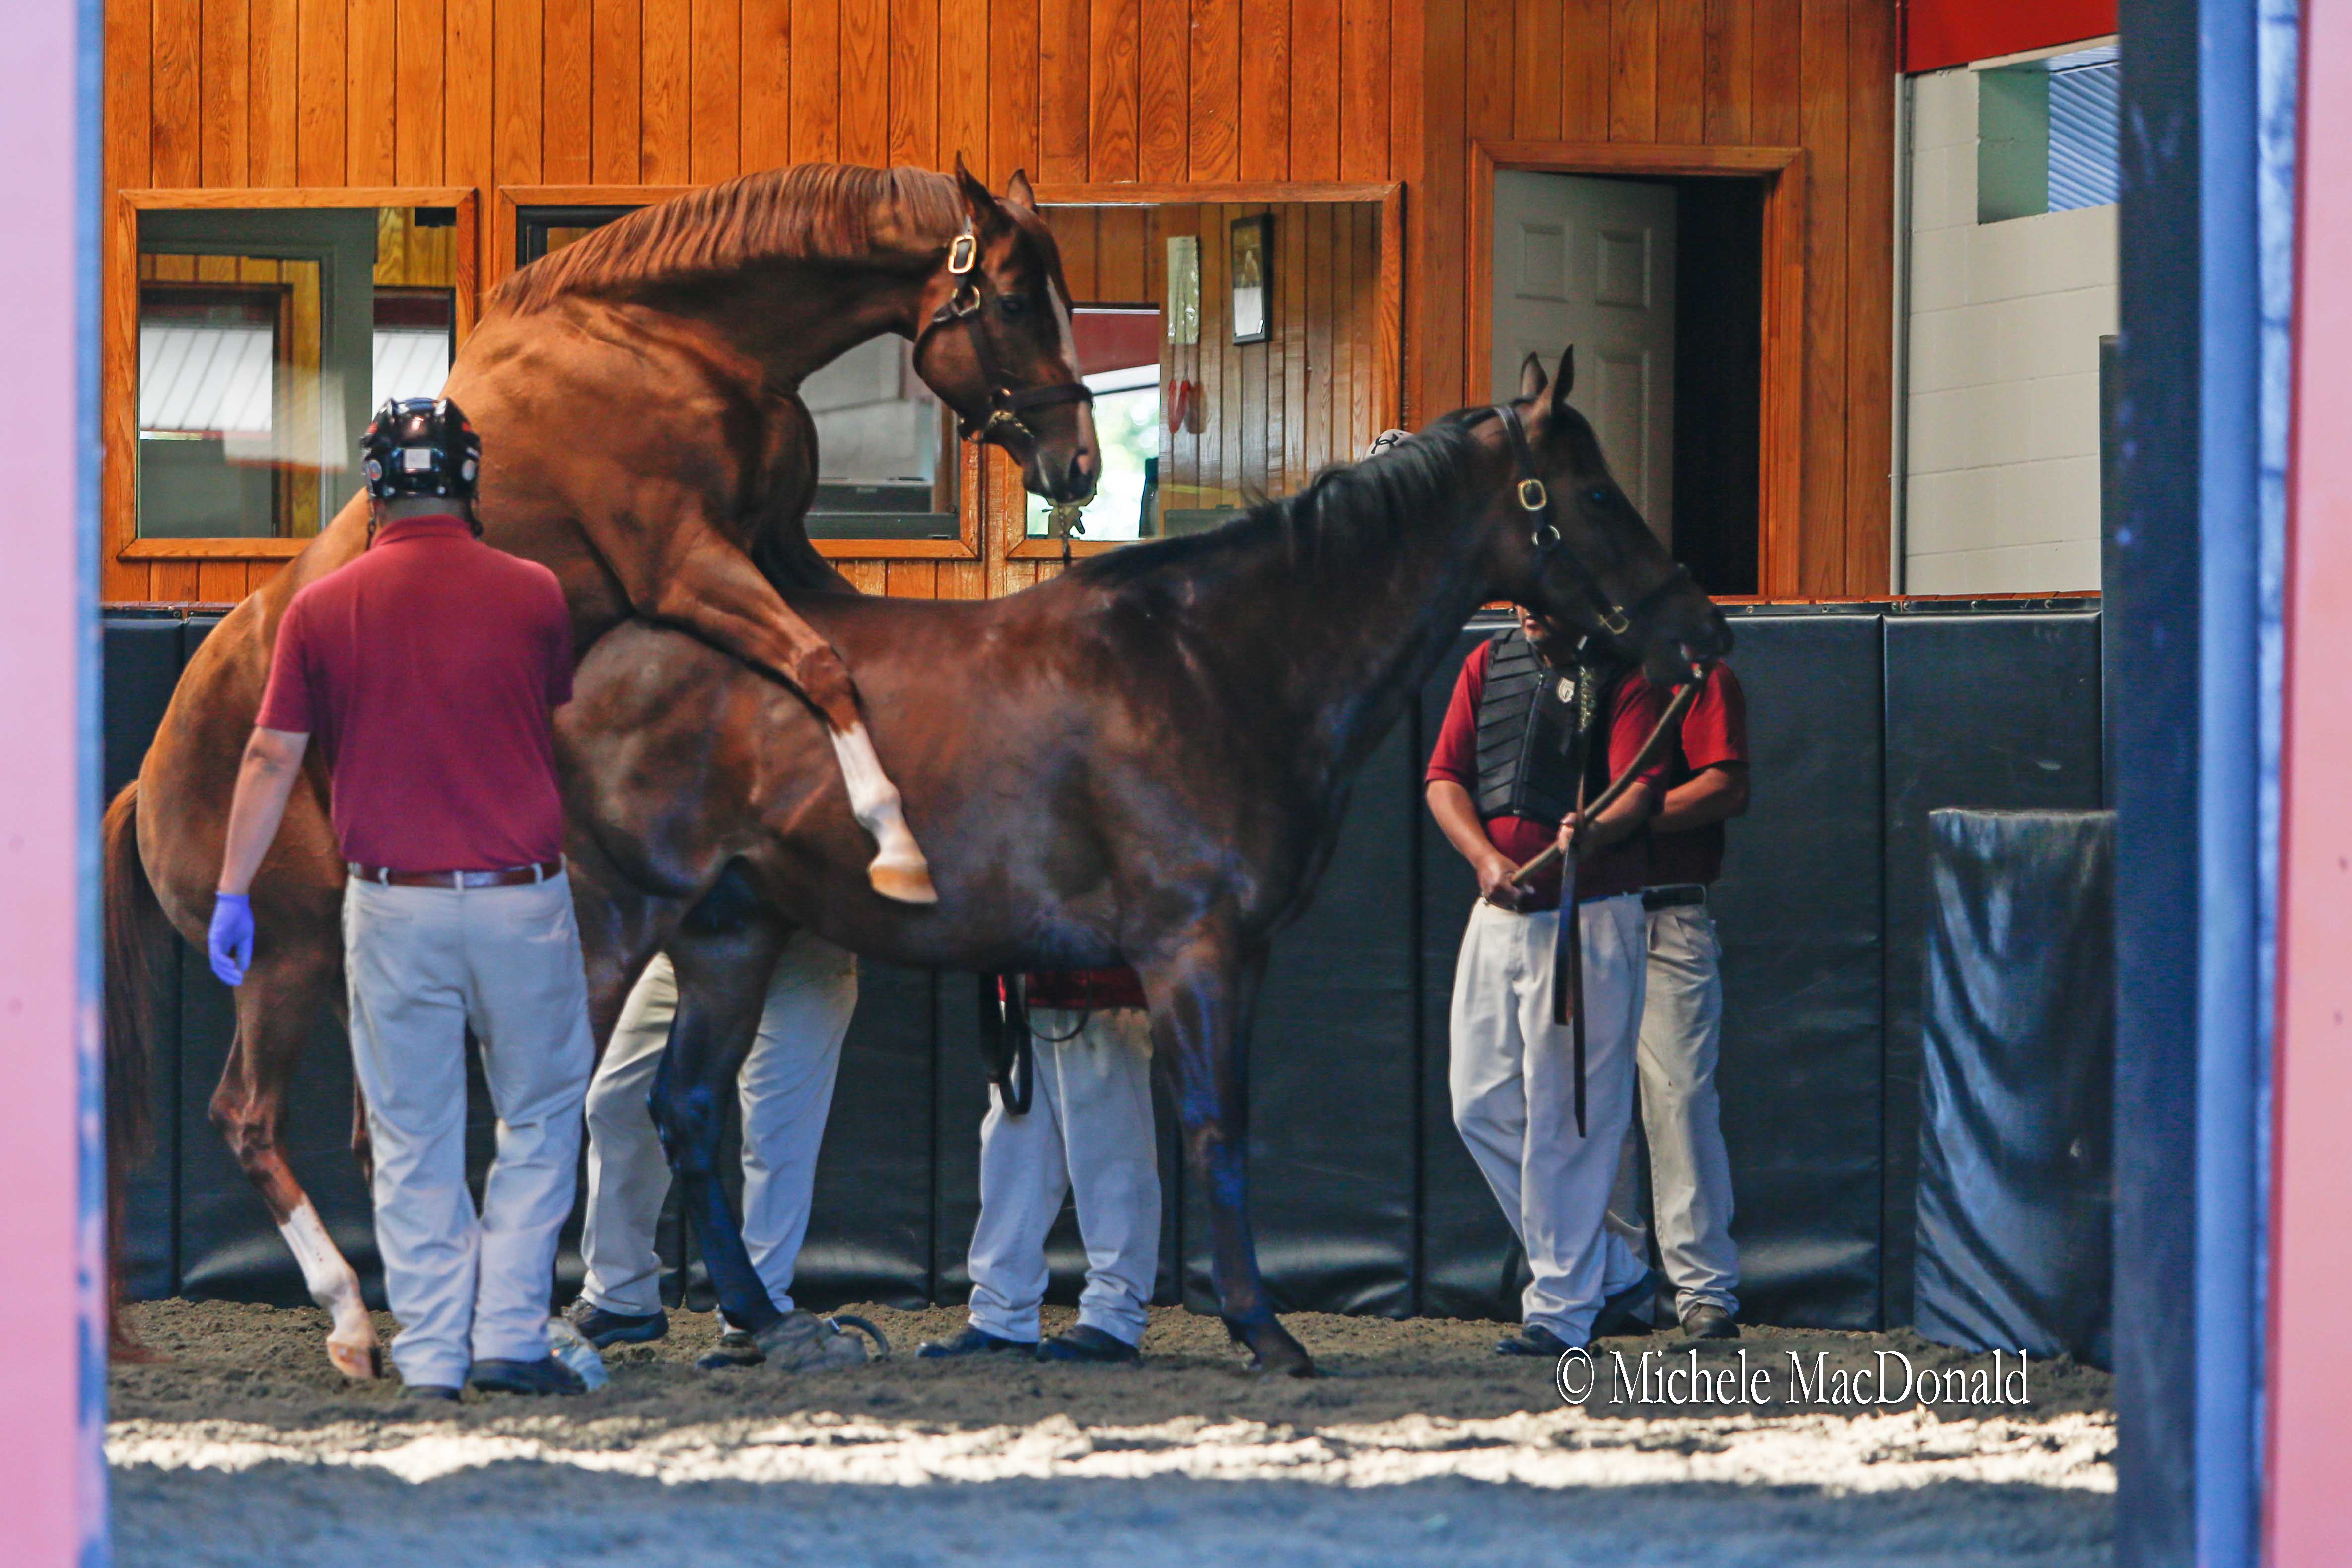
(906,880)
(360,1363)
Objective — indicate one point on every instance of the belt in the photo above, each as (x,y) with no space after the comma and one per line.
(512,876)
(1675,896)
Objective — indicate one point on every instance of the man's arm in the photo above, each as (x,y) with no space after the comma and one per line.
(273,761)
(1457,819)
(1624,816)
(1711,795)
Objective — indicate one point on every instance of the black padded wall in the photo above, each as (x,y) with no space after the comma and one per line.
(869,1237)
(1986,707)
(1800,915)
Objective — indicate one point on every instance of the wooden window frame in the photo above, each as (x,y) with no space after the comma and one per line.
(1780,385)
(119,358)
(1388,394)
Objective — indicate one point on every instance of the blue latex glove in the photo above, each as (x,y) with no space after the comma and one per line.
(230,945)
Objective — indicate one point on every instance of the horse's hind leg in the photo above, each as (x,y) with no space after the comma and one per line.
(1200,1006)
(279,1005)
(723,970)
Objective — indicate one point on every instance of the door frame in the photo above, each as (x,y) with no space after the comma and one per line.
(1780,382)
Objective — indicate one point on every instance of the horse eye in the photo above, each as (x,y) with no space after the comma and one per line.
(1013,304)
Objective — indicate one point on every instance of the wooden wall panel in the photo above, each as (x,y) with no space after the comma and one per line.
(489,93)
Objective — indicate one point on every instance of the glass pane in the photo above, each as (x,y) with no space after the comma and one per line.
(266,337)
(1119,354)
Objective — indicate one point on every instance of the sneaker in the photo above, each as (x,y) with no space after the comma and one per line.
(1086,1343)
(1706,1321)
(428,1391)
(545,1376)
(1533,1340)
(975,1342)
(1628,1311)
(601,1327)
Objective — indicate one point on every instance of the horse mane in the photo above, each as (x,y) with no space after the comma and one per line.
(832,211)
(1348,509)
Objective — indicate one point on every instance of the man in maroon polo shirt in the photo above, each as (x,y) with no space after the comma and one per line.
(1504,780)
(426,670)
(1682,1021)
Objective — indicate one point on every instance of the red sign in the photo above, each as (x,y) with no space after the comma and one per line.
(1939,33)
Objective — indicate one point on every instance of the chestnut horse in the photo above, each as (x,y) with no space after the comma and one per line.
(642,436)
(1142,761)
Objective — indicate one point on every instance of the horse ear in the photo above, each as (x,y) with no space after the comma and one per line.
(980,205)
(1531,378)
(1564,380)
(1018,191)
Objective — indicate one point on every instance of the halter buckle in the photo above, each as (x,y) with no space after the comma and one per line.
(1613,621)
(1534,498)
(1005,416)
(963,253)
(1545,536)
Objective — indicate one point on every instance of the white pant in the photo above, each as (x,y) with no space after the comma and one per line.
(1088,1131)
(424,964)
(1690,1173)
(785,1091)
(1514,1090)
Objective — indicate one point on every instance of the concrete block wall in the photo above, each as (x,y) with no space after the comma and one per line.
(2001,486)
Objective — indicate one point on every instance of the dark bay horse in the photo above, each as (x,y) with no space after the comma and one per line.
(1143,761)
(637,397)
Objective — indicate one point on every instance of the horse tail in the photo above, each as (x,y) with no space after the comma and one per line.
(137,948)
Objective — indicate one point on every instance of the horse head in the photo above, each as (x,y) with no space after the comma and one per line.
(1574,547)
(999,346)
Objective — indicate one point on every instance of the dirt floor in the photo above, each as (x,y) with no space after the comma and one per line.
(1418,1445)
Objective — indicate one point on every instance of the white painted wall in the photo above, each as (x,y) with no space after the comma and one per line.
(2003,480)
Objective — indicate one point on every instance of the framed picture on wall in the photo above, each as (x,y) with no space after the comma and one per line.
(1252,277)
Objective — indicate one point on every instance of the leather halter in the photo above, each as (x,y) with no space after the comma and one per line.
(963,307)
(1534,499)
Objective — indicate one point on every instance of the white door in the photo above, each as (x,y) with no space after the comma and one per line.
(1591,262)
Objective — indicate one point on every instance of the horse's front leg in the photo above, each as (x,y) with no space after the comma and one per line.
(723,970)
(1201,999)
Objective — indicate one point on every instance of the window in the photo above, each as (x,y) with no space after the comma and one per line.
(266,337)
(1118,357)
(886,445)
(2046,135)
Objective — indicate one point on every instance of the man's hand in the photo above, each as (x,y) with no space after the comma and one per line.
(230,944)
(1494,882)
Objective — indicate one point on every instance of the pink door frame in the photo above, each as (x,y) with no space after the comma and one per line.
(52,1470)
(2308,1509)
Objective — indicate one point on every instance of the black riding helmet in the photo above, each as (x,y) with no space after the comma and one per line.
(420,446)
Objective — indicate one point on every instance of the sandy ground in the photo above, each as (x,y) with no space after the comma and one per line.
(1418,1445)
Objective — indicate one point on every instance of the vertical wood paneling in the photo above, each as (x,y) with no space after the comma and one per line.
(274,96)
(1489,59)
(1123,243)
(665,102)
(1682,72)
(417,47)
(1164,91)
(1013,104)
(1216,89)
(1265,89)
(816,80)
(767,102)
(615,60)
(1364,90)
(1729,77)
(1535,55)
(1773,110)
(1290,290)
(1114,65)
(963,84)
(864,82)
(914,82)
(715,139)
(178,119)
(1584,74)
(1319,310)
(1869,296)
(911,579)
(466,95)
(1633,71)
(371,91)
(1061,89)
(228,70)
(566,91)
(1314,107)
(1822,555)
(515,92)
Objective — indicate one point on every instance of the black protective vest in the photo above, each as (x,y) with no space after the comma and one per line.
(1528,758)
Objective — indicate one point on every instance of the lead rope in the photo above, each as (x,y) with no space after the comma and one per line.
(1567,951)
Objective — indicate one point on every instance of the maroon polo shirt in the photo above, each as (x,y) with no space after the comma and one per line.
(1714,731)
(425,672)
(1634,709)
